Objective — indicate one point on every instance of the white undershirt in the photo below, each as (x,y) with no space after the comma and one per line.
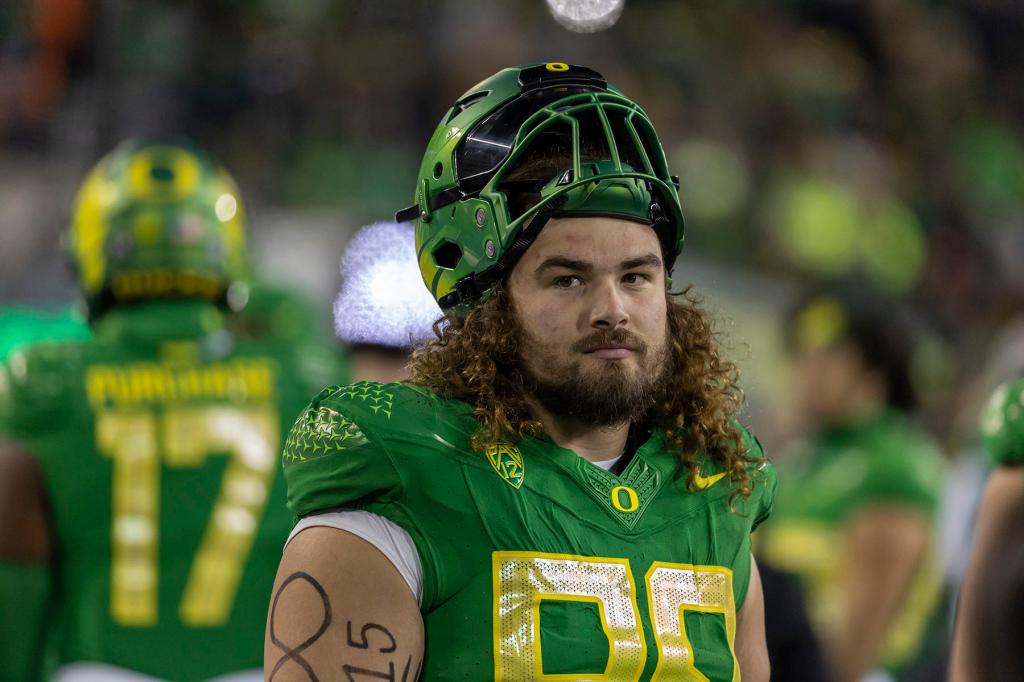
(388,537)
(608,463)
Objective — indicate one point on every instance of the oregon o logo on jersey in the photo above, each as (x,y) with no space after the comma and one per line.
(625,499)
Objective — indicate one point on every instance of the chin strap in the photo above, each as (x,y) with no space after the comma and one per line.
(470,288)
(439,200)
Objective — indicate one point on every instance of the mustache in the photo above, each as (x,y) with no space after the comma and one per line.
(610,337)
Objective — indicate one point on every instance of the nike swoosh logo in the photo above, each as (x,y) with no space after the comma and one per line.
(705,482)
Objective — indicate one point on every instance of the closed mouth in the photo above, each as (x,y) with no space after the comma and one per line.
(594,350)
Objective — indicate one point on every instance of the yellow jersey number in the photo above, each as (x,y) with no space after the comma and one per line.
(140,442)
(523,579)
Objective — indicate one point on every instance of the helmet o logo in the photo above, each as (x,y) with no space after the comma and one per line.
(625,499)
(557,66)
(163,174)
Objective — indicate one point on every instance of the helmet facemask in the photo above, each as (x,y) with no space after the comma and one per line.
(560,147)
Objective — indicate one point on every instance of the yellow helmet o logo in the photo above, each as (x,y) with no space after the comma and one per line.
(164,174)
(632,502)
(557,66)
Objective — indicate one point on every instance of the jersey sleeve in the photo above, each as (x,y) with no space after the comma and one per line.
(751,511)
(333,456)
(1002,424)
(763,479)
(33,386)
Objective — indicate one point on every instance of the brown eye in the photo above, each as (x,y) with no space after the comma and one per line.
(635,278)
(567,281)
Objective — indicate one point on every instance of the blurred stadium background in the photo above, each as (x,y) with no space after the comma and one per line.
(872,145)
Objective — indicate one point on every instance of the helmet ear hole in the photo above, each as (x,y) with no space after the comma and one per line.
(447,255)
(438,169)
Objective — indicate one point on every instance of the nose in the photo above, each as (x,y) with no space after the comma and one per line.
(608,309)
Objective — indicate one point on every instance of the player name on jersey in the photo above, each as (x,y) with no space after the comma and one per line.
(238,380)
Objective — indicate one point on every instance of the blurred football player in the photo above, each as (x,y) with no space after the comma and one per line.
(855,512)
(382,310)
(139,486)
(562,491)
(282,314)
(986,645)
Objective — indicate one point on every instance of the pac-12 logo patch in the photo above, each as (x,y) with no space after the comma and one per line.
(508,462)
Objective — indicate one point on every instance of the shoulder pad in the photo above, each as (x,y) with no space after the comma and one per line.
(1002,424)
(368,399)
(341,417)
(338,452)
(35,381)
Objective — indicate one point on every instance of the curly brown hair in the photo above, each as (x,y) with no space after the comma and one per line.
(475,359)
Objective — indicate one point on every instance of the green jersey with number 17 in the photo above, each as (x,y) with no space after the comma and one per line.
(537,564)
(159,445)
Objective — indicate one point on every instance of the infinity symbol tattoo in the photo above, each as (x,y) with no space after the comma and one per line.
(291,653)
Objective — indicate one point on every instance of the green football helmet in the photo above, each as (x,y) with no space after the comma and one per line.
(1002,424)
(156,220)
(593,151)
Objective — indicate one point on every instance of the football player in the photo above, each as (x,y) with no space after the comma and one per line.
(854,517)
(140,487)
(1003,434)
(562,490)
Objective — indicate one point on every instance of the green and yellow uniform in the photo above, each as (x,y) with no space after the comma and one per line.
(159,445)
(826,482)
(20,326)
(536,563)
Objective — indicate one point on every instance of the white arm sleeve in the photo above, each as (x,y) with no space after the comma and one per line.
(391,539)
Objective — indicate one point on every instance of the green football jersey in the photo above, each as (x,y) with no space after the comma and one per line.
(538,564)
(1002,424)
(825,483)
(159,443)
(20,326)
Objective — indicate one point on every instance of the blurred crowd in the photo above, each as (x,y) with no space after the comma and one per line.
(858,150)
(873,143)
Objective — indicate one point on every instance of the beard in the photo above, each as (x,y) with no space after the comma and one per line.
(610,394)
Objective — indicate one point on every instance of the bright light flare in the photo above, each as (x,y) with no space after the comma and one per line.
(586,16)
(382,300)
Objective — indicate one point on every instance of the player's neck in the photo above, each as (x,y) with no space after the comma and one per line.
(597,444)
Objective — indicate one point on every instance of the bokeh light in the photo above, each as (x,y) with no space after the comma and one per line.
(382,300)
(586,16)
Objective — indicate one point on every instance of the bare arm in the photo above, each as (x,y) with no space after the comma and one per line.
(751,649)
(1002,494)
(25,551)
(884,547)
(24,519)
(340,610)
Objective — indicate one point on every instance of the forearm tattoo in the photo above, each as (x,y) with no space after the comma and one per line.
(293,653)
